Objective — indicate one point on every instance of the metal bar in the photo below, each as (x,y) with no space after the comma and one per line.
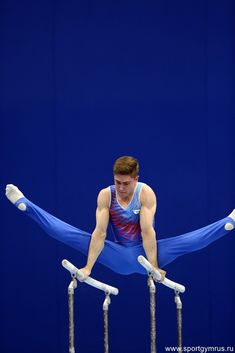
(91,281)
(157,276)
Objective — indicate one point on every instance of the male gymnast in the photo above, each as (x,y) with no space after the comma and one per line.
(129,206)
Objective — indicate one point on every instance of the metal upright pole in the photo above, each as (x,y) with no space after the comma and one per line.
(152,292)
(72,286)
(106,303)
(179,321)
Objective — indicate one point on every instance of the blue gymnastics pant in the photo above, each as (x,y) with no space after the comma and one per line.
(117,257)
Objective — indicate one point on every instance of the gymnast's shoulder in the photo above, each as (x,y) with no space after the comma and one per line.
(103,198)
(147,194)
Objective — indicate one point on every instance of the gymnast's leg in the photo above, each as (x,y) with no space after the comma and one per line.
(118,258)
(171,248)
(114,256)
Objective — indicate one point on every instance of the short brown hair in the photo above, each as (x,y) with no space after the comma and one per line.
(126,165)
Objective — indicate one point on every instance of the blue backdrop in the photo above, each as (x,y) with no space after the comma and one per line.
(82,83)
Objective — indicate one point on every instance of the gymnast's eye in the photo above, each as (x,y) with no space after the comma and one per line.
(125,183)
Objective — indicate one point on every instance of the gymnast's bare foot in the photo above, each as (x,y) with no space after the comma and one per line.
(14,194)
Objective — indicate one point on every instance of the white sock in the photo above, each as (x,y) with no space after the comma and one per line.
(230,226)
(14,194)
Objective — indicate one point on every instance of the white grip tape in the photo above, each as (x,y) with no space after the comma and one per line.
(157,276)
(92,282)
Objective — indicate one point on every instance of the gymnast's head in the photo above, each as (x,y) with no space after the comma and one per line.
(126,174)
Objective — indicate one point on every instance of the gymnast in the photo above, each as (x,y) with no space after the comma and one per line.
(129,206)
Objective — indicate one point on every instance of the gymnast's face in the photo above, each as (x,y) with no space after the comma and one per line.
(125,185)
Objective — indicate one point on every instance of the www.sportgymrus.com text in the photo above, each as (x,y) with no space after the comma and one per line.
(200,349)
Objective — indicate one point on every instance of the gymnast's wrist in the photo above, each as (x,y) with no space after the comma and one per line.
(88,267)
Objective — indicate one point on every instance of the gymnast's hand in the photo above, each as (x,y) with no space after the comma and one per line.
(86,272)
(162,273)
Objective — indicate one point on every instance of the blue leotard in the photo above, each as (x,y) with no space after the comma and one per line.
(119,258)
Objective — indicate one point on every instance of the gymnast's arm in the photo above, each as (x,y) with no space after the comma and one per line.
(148,208)
(99,233)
